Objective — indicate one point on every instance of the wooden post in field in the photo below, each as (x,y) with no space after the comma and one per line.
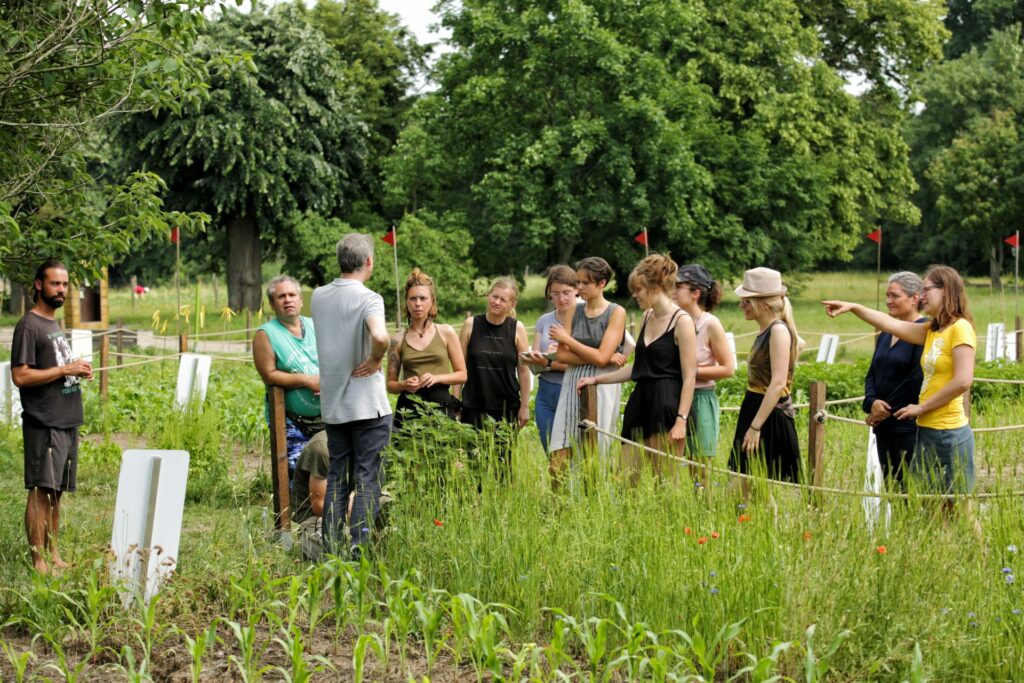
(183,343)
(119,342)
(588,411)
(279,460)
(104,362)
(248,327)
(816,433)
(1019,333)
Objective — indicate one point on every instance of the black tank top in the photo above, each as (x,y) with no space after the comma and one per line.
(660,360)
(491,381)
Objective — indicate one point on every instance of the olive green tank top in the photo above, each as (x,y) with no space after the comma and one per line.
(433,359)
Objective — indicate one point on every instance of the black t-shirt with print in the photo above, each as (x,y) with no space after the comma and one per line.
(40,343)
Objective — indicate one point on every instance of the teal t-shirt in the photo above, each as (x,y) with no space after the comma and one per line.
(297,356)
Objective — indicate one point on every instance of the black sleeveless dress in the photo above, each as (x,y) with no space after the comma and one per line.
(492,385)
(654,403)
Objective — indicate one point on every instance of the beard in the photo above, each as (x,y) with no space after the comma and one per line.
(52,301)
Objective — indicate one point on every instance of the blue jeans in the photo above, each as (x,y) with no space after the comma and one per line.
(944,459)
(544,409)
(356,465)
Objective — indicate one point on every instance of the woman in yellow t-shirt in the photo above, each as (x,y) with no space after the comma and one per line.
(944,455)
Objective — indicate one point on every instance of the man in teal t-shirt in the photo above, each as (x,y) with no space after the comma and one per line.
(284,352)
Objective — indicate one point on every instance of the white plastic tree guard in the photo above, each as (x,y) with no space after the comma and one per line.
(827,348)
(193,378)
(10,397)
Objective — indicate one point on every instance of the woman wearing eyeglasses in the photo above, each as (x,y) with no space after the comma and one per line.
(944,455)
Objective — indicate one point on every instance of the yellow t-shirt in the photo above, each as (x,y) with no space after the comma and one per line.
(937,364)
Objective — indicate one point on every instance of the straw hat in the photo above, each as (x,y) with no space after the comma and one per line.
(761,282)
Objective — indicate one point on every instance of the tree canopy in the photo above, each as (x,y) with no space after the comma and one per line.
(565,127)
(66,69)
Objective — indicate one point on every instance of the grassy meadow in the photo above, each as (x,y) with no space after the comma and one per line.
(482,575)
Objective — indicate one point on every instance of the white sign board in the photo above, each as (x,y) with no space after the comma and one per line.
(193,378)
(147,520)
(827,348)
(81,344)
(10,397)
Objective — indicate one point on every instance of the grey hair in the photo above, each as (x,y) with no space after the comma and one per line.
(278,279)
(910,283)
(353,250)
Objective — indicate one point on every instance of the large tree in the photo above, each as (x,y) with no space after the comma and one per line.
(278,134)
(66,68)
(564,127)
(970,107)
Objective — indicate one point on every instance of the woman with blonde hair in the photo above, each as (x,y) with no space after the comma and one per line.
(944,455)
(664,369)
(497,383)
(428,356)
(765,430)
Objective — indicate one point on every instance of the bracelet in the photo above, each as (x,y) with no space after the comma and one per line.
(754,429)
(685,417)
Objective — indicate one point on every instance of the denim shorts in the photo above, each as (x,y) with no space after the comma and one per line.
(944,459)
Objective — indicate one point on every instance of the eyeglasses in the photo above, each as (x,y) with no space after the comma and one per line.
(928,288)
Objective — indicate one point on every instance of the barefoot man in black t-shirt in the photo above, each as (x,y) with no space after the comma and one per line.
(51,399)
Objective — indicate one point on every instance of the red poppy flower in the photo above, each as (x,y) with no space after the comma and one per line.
(702,540)
(807,535)
(881,550)
(438,522)
(687,531)
(744,518)
(714,534)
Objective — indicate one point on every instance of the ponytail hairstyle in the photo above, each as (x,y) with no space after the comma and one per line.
(954,297)
(782,309)
(699,280)
(417,278)
(655,272)
(505,282)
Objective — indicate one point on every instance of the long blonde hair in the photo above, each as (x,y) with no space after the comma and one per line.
(782,309)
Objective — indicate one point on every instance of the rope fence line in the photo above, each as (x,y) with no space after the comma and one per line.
(223,333)
(823,416)
(998,381)
(591,426)
(154,359)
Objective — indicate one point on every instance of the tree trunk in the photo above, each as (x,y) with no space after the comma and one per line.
(244,272)
(995,267)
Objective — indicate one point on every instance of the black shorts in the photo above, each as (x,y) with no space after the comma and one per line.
(51,457)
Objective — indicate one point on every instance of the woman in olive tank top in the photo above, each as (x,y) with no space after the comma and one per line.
(427,356)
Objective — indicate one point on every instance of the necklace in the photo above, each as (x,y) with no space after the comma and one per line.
(421,333)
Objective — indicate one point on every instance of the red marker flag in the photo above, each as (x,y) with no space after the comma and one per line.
(175,235)
(390,237)
(641,238)
(875,235)
(1012,240)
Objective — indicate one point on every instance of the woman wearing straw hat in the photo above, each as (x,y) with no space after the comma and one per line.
(765,429)
(944,454)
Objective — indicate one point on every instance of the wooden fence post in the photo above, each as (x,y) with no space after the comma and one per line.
(588,411)
(248,326)
(279,460)
(119,342)
(104,362)
(183,343)
(1019,334)
(816,432)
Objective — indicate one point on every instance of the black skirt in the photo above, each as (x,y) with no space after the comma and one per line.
(652,408)
(779,449)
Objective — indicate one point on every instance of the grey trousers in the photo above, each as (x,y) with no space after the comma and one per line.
(356,465)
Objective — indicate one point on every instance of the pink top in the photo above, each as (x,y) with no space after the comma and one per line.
(705,356)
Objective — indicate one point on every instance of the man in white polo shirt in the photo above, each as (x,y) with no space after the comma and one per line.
(352,338)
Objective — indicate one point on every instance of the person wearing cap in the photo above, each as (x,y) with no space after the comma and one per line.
(698,294)
(765,430)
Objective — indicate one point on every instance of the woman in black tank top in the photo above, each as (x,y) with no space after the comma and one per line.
(664,369)
(497,383)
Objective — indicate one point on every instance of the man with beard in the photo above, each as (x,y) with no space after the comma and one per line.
(51,397)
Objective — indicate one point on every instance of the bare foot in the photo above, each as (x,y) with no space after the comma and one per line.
(57,563)
(39,564)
